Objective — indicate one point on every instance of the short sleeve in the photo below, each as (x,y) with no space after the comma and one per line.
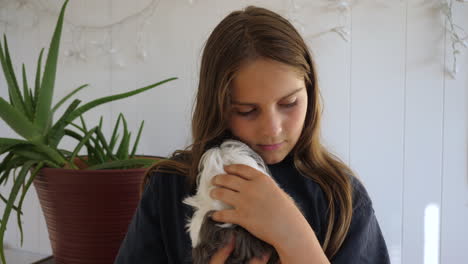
(364,243)
(143,243)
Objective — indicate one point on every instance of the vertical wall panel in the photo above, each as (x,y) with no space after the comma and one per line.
(454,213)
(28,55)
(45,29)
(11,233)
(377,109)
(333,58)
(423,139)
(20,52)
(163,108)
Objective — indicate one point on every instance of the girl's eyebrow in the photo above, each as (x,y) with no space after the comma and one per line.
(253,104)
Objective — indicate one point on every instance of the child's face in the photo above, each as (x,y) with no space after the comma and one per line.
(269,104)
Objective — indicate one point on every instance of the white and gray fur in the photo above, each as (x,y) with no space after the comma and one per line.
(207,235)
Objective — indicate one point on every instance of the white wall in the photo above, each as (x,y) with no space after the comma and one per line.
(391,110)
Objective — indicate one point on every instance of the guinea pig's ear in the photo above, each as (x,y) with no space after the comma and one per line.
(210,160)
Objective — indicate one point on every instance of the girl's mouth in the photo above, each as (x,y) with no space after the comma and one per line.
(270,147)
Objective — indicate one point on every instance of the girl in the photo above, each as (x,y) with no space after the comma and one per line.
(258,84)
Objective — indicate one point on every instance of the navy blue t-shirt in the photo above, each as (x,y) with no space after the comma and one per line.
(157,231)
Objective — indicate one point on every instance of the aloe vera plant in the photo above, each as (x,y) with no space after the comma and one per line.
(30,113)
(104,154)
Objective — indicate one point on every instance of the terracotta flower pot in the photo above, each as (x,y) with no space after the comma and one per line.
(87,212)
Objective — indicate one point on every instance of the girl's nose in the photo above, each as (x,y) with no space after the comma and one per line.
(270,125)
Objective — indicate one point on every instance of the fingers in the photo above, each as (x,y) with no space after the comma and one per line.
(225,195)
(232,182)
(226,216)
(243,171)
(223,254)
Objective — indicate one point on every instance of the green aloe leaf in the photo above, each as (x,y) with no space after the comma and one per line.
(56,132)
(38,151)
(16,208)
(38,78)
(29,154)
(102,139)
(100,123)
(23,195)
(54,155)
(82,143)
(18,121)
(64,99)
(95,153)
(122,151)
(79,138)
(11,199)
(9,64)
(11,141)
(81,110)
(46,92)
(27,97)
(6,166)
(99,149)
(13,89)
(114,133)
(6,144)
(135,145)
(142,163)
(83,124)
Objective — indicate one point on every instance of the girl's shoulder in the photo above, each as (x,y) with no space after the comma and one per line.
(361,198)
(170,176)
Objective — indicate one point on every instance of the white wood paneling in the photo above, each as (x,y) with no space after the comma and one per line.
(332,55)
(390,111)
(20,51)
(423,128)
(377,110)
(454,187)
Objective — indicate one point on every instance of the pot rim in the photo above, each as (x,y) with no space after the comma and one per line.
(104,171)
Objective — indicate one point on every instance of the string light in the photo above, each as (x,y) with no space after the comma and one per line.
(79,48)
(458,36)
(344,9)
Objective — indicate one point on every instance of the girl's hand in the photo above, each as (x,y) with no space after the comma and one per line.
(260,205)
(222,255)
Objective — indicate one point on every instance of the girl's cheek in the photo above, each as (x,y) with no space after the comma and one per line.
(239,127)
(296,117)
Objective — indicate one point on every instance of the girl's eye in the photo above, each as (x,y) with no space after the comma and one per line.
(289,104)
(245,113)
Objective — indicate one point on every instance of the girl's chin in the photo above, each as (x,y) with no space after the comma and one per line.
(272,158)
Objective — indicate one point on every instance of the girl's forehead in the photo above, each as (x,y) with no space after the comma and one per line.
(265,79)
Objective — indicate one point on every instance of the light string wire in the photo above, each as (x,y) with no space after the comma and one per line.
(79,48)
(458,36)
(344,9)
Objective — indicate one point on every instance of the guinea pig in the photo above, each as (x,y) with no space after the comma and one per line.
(208,236)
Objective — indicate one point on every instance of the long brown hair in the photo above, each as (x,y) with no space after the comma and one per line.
(240,38)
